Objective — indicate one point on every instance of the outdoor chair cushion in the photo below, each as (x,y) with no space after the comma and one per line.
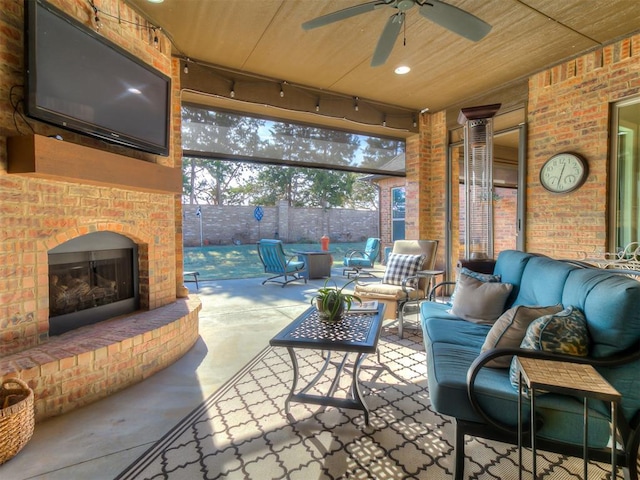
(387,291)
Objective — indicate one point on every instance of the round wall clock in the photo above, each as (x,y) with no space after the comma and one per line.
(564,172)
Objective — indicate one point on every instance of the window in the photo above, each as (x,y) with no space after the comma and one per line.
(625,175)
(398,205)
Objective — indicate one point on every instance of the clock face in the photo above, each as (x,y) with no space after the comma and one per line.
(563,173)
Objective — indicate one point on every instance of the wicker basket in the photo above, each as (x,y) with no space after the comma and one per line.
(16,417)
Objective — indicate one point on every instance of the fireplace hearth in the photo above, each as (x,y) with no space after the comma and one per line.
(91,278)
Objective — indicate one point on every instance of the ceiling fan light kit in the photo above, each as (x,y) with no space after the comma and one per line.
(452,18)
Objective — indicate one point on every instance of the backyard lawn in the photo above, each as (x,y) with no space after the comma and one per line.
(222,262)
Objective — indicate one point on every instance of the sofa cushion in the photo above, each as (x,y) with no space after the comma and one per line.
(456,332)
(436,310)
(447,366)
(480,302)
(509,330)
(401,266)
(610,304)
(510,266)
(543,281)
(563,332)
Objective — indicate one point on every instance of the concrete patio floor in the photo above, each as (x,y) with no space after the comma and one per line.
(100,440)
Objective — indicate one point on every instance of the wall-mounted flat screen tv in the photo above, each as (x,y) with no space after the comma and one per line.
(79,80)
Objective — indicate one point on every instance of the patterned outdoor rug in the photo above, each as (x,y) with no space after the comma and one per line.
(242,432)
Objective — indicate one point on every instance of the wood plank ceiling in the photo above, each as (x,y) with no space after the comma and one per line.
(265,38)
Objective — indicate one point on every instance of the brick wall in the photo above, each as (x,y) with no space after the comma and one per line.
(222,225)
(38,214)
(426,168)
(569,110)
(89,363)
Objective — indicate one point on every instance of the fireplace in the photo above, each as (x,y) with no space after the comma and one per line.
(91,278)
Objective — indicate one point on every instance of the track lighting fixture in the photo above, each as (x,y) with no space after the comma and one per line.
(96,18)
(97,12)
(326,104)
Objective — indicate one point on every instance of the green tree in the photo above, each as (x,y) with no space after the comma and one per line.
(329,188)
(211,180)
(378,151)
(318,163)
(364,194)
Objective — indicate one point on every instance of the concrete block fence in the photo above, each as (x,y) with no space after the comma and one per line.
(225,225)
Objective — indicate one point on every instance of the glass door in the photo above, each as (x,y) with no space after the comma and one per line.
(508,199)
(625,176)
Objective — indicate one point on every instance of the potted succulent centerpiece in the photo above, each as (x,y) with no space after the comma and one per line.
(332,301)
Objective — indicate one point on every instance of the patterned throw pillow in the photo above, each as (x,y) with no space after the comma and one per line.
(401,266)
(482,277)
(564,332)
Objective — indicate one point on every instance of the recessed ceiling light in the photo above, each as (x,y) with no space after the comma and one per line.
(155,1)
(402,70)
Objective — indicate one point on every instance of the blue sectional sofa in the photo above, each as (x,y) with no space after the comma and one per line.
(483,401)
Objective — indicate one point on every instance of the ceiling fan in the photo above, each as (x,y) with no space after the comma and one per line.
(445,15)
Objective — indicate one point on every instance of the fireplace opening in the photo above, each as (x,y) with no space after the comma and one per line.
(91,278)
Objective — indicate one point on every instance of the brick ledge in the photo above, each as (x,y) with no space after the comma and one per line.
(90,363)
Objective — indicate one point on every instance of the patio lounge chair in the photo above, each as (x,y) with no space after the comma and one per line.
(272,256)
(400,282)
(356,260)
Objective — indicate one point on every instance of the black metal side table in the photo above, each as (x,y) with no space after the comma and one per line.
(580,380)
(318,263)
(355,333)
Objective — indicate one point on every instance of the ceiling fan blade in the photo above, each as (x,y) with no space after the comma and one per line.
(455,19)
(342,14)
(387,39)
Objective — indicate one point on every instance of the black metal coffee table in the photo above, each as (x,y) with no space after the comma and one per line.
(355,333)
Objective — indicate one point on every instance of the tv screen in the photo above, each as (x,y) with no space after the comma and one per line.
(78,80)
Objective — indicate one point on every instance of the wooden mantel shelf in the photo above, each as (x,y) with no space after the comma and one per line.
(45,157)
